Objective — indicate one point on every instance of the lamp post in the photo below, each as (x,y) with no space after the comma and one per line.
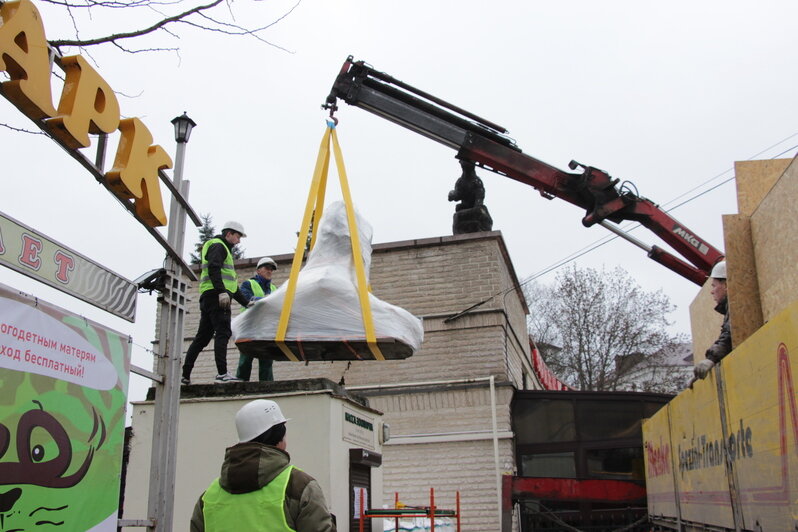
(163,462)
(183,127)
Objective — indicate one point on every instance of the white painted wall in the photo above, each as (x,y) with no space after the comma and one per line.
(206,428)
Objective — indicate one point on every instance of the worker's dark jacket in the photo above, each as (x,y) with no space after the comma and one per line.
(250,466)
(247,289)
(723,345)
(215,256)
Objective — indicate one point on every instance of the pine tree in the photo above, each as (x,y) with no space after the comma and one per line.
(207,232)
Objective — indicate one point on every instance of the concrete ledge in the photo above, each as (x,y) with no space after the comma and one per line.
(227,389)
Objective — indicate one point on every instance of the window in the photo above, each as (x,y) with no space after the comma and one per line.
(619,464)
(544,421)
(603,420)
(557,465)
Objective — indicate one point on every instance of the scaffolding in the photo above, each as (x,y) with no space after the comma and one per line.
(400,510)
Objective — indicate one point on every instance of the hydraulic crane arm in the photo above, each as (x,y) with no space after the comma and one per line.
(489,146)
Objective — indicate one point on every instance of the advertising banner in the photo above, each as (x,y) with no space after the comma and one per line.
(761,440)
(63,392)
(30,253)
(702,470)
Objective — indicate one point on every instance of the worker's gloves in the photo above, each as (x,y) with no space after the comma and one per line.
(224,301)
(702,368)
(252,301)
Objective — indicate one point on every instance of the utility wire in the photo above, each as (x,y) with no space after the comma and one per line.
(598,243)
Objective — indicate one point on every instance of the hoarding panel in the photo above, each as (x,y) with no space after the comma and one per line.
(698,457)
(762,432)
(62,416)
(659,465)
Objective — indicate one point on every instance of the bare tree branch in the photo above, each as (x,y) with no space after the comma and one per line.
(598,330)
(22,130)
(137,33)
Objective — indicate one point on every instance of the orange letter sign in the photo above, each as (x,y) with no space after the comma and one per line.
(88,105)
(24,55)
(135,172)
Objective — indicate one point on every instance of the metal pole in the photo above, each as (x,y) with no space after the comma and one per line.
(163,463)
(626,236)
(496,446)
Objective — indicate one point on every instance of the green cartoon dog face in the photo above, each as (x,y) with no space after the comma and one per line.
(63,385)
(53,459)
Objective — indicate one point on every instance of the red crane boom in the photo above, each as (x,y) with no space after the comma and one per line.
(488,146)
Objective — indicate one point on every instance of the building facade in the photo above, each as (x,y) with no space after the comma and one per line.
(448,406)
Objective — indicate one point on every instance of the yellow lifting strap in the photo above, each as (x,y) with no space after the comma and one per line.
(313,212)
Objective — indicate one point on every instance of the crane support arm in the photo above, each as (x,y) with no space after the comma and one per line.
(488,145)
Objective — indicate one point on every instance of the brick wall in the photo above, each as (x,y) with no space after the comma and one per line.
(429,393)
(441,438)
(433,279)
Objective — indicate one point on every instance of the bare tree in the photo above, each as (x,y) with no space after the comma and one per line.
(137,26)
(595,328)
(163,17)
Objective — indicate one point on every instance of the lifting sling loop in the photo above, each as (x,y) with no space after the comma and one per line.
(313,212)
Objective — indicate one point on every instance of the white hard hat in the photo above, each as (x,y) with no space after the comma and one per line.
(266,260)
(234,226)
(256,417)
(719,271)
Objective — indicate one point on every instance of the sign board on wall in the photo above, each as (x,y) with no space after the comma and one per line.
(358,429)
(35,255)
(64,389)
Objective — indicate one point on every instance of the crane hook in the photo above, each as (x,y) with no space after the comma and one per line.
(331,105)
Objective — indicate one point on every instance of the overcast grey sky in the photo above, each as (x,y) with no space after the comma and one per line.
(666,95)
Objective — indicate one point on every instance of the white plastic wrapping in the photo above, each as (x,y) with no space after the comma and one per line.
(326,307)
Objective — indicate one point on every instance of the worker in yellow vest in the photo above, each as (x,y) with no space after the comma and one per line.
(254,289)
(259,489)
(218,282)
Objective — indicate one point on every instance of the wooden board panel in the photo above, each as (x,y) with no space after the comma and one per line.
(661,463)
(320,350)
(762,423)
(774,231)
(754,180)
(745,306)
(754,455)
(704,322)
(698,467)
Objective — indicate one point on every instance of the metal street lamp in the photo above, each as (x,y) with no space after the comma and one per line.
(160,506)
(183,126)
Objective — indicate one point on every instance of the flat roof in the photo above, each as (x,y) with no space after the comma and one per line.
(253,388)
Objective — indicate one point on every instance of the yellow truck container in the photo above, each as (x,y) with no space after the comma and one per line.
(724,454)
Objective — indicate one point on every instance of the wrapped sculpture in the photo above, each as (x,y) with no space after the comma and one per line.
(326,320)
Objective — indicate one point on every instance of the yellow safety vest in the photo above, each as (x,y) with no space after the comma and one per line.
(229,277)
(257,290)
(260,510)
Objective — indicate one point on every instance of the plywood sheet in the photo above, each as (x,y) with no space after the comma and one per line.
(661,466)
(704,322)
(696,439)
(734,427)
(745,306)
(774,232)
(754,181)
(760,378)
